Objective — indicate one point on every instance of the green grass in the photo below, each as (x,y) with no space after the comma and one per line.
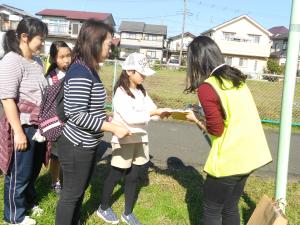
(171,196)
(166,89)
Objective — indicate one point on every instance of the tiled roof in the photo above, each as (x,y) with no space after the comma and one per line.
(16,10)
(77,15)
(141,27)
(186,34)
(278,30)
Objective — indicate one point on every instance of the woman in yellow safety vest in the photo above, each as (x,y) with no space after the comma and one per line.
(239,145)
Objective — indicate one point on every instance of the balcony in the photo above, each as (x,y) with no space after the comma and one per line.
(59,29)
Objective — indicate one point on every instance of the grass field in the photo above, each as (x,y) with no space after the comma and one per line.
(171,196)
(166,89)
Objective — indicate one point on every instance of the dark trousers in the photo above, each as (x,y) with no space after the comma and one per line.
(19,190)
(221,198)
(131,179)
(77,164)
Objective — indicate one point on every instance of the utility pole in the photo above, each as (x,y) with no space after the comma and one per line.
(182,32)
(287,104)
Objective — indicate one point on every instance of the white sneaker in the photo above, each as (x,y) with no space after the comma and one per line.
(27,221)
(37,211)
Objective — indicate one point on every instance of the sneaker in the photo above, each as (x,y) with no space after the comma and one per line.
(27,221)
(37,211)
(56,188)
(108,215)
(130,219)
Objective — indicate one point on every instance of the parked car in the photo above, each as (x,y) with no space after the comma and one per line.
(173,62)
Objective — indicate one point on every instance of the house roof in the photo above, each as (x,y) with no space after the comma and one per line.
(186,34)
(236,19)
(279,30)
(16,10)
(280,36)
(76,15)
(141,27)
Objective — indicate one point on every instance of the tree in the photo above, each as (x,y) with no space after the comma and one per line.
(274,67)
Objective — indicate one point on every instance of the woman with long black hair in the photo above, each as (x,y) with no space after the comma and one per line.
(239,145)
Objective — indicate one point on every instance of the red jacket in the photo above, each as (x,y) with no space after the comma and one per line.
(7,137)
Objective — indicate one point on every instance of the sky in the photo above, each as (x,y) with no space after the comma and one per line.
(201,15)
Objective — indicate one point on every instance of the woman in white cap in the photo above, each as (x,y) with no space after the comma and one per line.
(132,108)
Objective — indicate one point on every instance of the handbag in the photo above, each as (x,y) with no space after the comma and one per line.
(267,212)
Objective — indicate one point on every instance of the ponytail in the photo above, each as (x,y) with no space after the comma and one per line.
(11,42)
(30,26)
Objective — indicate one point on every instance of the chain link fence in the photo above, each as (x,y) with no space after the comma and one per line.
(167,86)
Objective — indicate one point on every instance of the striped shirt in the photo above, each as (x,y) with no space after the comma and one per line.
(21,79)
(84,98)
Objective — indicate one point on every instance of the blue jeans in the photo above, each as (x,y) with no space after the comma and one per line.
(19,191)
(221,198)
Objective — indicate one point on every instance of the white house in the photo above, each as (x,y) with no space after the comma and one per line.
(245,44)
(11,16)
(65,25)
(174,45)
(140,37)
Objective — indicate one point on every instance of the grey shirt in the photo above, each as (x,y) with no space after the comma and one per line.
(21,79)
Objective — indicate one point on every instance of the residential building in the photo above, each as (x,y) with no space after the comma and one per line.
(10,17)
(1,46)
(245,44)
(148,39)
(280,44)
(174,45)
(65,24)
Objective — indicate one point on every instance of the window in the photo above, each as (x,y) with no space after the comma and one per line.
(131,36)
(150,37)
(254,38)
(228,36)
(151,54)
(228,60)
(284,45)
(275,47)
(255,65)
(243,62)
(58,27)
(75,29)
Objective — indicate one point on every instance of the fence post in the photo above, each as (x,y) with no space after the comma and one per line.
(287,104)
(114,82)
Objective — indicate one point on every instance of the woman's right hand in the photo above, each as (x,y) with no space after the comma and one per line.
(121,131)
(20,141)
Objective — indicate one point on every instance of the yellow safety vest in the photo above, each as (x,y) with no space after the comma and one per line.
(242,147)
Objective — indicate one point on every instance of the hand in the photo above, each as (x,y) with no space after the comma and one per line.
(20,141)
(121,131)
(191,117)
(161,112)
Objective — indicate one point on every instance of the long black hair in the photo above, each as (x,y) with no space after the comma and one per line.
(124,82)
(30,26)
(54,48)
(204,56)
(89,42)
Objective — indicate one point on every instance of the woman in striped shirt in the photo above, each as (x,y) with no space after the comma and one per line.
(21,88)
(84,98)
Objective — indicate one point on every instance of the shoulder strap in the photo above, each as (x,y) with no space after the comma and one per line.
(53,76)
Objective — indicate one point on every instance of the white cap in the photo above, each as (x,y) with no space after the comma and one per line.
(138,62)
